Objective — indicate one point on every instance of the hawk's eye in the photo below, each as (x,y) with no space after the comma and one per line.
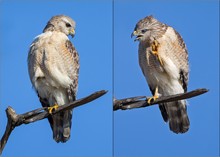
(143,30)
(68,25)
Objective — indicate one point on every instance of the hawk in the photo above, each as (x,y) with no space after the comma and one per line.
(163,58)
(53,65)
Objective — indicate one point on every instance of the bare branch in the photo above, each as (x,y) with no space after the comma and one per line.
(137,102)
(15,120)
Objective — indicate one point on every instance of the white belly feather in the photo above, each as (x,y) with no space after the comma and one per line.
(165,77)
(51,86)
(55,94)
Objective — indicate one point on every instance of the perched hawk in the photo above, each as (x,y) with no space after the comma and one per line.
(53,65)
(163,59)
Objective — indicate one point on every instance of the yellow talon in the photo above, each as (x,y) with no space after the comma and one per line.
(154,47)
(50,109)
(156,95)
(149,100)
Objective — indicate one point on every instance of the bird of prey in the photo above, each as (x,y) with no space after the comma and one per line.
(163,58)
(53,65)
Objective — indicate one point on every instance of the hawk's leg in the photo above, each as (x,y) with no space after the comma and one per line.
(153,98)
(154,48)
(50,109)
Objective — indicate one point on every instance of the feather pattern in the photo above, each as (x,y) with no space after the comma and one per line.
(171,77)
(53,65)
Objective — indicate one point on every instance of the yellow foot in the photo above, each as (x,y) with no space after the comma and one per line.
(152,99)
(156,95)
(50,109)
(154,48)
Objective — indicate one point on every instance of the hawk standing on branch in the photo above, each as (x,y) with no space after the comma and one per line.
(163,59)
(53,65)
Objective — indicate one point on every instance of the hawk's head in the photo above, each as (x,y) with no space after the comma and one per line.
(148,28)
(61,23)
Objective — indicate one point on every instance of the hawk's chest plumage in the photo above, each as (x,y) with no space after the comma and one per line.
(150,66)
(53,66)
(166,75)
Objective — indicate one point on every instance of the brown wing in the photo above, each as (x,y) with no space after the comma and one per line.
(73,72)
(70,59)
(174,49)
(183,61)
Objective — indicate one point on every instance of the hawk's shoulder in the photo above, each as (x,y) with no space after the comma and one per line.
(179,54)
(73,53)
(176,37)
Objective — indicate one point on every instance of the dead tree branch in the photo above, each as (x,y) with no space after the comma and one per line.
(137,102)
(15,120)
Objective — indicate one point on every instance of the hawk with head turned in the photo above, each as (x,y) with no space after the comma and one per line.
(163,58)
(53,65)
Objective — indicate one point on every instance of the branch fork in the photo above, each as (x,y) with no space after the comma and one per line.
(15,119)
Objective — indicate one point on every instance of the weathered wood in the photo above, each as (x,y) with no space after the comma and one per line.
(137,102)
(15,120)
(12,119)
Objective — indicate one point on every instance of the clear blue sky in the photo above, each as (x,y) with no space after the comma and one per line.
(142,132)
(91,133)
(96,130)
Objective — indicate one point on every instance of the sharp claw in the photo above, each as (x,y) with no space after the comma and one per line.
(154,47)
(156,95)
(52,108)
(149,100)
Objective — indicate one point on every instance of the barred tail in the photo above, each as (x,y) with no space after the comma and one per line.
(176,113)
(62,126)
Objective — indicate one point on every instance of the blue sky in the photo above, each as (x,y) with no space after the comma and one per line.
(96,130)
(91,132)
(142,132)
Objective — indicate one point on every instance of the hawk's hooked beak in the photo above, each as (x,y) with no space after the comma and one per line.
(72,32)
(135,33)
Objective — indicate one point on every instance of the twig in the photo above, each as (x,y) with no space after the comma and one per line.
(136,102)
(15,120)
